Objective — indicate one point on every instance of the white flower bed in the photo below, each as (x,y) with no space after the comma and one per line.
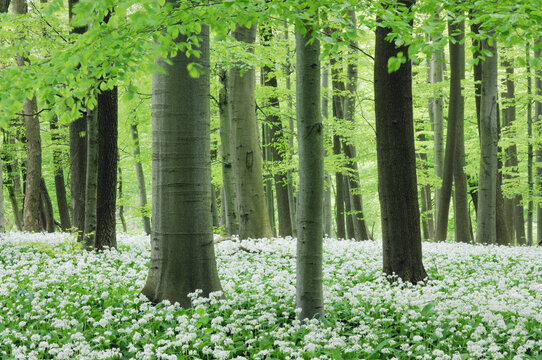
(58,302)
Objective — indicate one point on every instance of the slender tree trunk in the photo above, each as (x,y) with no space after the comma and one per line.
(121,202)
(530,182)
(12,170)
(60,185)
(253,217)
(327,178)
(91,188)
(268,180)
(78,156)
(514,205)
(182,251)
(348,209)
(487,189)
(142,189)
(106,225)
(457,107)
(537,115)
(309,278)
(2,213)
(47,207)
(401,237)
(228,175)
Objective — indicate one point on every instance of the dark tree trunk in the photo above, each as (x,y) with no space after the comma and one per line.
(47,208)
(348,209)
(60,185)
(401,237)
(121,203)
(530,157)
(91,183)
(107,169)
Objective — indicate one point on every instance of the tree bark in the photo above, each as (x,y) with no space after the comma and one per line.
(228,175)
(309,276)
(121,202)
(141,187)
(14,182)
(182,248)
(487,188)
(47,207)
(4,5)
(106,225)
(530,182)
(60,185)
(91,182)
(253,216)
(401,236)
(327,178)
(268,180)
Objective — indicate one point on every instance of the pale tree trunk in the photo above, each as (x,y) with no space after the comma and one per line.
(530,183)
(537,115)
(228,175)
(253,216)
(513,206)
(60,185)
(78,157)
(309,276)
(487,188)
(327,188)
(277,139)
(396,158)
(49,223)
(106,225)
(141,187)
(457,110)
(91,182)
(121,202)
(337,102)
(182,248)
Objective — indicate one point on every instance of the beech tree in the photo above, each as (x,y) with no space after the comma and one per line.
(396,159)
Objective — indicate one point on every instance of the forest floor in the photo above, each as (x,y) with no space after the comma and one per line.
(57,302)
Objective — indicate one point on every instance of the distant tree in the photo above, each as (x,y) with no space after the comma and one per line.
(401,235)
(537,117)
(140,176)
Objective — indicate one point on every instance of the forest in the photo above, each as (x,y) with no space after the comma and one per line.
(234,179)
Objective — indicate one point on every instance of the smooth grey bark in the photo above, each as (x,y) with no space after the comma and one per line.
(530,182)
(513,206)
(106,225)
(78,156)
(327,177)
(91,182)
(537,115)
(60,185)
(228,175)
(457,106)
(121,202)
(253,216)
(309,275)
(182,248)
(276,134)
(140,176)
(47,205)
(396,158)
(486,232)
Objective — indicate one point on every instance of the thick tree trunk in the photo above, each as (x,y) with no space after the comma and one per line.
(309,276)
(513,206)
(106,225)
(182,251)
(530,182)
(47,208)
(537,115)
(141,187)
(253,216)
(121,202)
(4,5)
(60,185)
(228,174)
(401,237)
(487,188)
(91,182)
(457,108)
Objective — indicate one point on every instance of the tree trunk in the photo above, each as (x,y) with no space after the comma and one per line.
(530,182)
(228,175)
(182,251)
(121,203)
(268,180)
(2,213)
(487,188)
(60,185)
(401,237)
(348,209)
(4,5)
(309,277)
(140,179)
(457,111)
(253,216)
(106,225)
(327,178)
(14,188)
(91,187)
(537,115)
(78,156)
(47,207)
(276,134)
(513,206)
